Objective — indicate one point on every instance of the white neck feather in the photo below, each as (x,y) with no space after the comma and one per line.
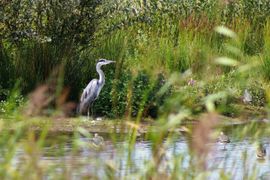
(101,74)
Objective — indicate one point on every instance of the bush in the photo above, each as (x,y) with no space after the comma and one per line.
(42,35)
(7,79)
(131,96)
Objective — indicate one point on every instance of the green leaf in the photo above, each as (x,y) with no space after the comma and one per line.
(225,61)
(210,100)
(225,31)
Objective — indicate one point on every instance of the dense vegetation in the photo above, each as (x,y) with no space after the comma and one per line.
(146,39)
(159,47)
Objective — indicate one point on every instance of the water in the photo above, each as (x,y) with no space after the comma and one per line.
(114,157)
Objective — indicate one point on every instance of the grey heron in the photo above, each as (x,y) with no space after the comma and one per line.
(92,90)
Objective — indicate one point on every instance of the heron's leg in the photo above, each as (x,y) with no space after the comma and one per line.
(92,110)
(88,112)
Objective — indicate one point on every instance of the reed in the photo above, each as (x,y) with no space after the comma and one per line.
(181,72)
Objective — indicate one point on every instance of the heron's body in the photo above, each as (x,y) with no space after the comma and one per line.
(89,95)
(92,90)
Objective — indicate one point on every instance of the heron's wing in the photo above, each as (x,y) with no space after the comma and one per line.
(89,95)
(90,92)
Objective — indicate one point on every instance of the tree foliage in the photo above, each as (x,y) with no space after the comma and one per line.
(60,22)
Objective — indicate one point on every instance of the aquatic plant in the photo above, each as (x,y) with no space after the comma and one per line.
(159,47)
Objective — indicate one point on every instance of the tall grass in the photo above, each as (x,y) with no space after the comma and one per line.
(265,57)
(151,36)
(159,47)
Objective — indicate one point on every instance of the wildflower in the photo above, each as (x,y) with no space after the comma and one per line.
(191,82)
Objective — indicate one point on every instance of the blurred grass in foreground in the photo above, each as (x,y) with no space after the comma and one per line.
(155,62)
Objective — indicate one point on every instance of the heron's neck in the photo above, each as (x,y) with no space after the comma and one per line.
(101,75)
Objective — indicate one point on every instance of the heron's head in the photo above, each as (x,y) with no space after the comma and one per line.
(104,62)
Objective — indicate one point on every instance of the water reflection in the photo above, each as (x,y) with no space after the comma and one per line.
(114,157)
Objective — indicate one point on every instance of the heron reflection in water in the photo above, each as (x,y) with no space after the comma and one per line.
(261,151)
(97,142)
(223,139)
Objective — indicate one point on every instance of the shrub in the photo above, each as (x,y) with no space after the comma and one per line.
(46,34)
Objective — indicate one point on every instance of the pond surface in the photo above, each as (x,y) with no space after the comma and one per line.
(115,157)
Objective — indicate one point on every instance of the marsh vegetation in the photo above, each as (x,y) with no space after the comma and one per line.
(184,72)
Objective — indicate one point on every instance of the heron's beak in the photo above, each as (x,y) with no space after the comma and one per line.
(110,61)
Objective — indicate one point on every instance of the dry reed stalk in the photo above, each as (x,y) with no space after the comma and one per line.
(201,137)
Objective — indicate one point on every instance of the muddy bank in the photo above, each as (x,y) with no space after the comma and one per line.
(249,114)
